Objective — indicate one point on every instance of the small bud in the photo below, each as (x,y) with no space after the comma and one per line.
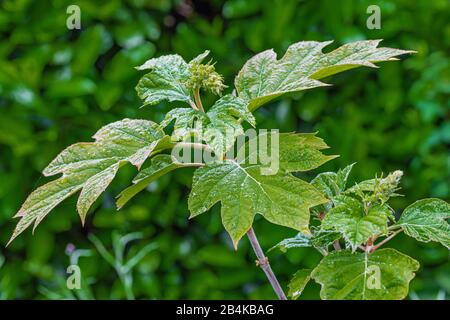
(204,76)
(387,187)
(393,179)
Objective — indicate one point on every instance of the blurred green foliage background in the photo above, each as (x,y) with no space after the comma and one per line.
(58,86)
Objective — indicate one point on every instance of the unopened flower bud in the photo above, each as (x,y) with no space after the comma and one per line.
(204,76)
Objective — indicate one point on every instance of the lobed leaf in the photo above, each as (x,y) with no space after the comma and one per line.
(243,192)
(264,78)
(90,167)
(356,225)
(427,220)
(383,275)
(247,186)
(167,80)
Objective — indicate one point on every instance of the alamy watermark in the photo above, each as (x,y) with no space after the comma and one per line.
(248,148)
(73,271)
(74,279)
(373,280)
(374,20)
(73,21)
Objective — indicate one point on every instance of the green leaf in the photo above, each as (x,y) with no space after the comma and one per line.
(200,57)
(244,192)
(170,78)
(160,165)
(301,240)
(332,183)
(254,181)
(167,80)
(90,167)
(224,124)
(427,220)
(188,122)
(264,78)
(232,106)
(298,283)
(356,225)
(383,275)
(320,240)
(219,127)
(294,152)
(301,152)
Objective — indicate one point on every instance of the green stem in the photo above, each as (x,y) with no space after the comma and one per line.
(198,100)
(127,283)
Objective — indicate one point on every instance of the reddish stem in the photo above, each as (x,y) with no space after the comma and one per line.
(263,262)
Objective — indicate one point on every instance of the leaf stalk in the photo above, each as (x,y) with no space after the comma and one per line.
(375,247)
(198,100)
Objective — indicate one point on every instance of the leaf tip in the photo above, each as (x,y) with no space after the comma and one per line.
(36,223)
(19,214)
(333,156)
(10,240)
(118,205)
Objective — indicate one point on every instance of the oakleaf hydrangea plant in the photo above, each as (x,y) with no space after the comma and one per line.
(249,180)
